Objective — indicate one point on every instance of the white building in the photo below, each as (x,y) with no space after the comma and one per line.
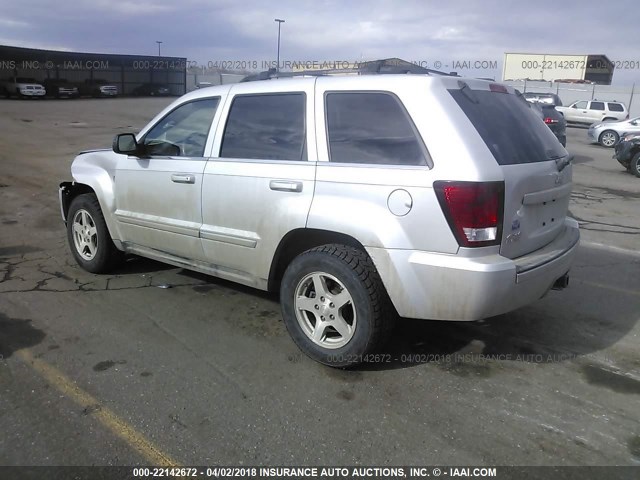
(558,67)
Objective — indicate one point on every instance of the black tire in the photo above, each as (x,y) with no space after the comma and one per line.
(605,138)
(106,256)
(634,166)
(371,307)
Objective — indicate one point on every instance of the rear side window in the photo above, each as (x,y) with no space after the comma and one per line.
(615,107)
(508,126)
(269,127)
(596,106)
(373,128)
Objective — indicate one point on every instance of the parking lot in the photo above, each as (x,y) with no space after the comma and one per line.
(121,370)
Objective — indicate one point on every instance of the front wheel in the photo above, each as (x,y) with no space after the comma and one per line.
(88,236)
(634,166)
(608,138)
(335,306)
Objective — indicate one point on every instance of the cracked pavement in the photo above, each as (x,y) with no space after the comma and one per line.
(205,369)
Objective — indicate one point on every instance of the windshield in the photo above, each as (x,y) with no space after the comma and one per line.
(509,127)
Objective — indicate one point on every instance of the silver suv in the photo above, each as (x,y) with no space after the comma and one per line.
(594,111)
(357,197)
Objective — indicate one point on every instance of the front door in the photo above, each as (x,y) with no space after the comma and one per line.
(158,195)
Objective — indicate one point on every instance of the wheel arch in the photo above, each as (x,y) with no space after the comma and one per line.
(70,190)
(300,240)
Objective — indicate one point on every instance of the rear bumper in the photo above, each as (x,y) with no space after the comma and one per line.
(451,287)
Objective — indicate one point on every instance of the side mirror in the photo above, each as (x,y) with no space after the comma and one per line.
(574,106)
(634,122)
(126,144)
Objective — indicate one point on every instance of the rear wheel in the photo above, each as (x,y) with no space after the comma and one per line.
(635,165)
(88,236)
(608,138)
(335,306)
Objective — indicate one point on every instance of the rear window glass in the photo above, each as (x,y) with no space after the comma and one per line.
(596,106)
(615,107)
(267,127)
(509,126)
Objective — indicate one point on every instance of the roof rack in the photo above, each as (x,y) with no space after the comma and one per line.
(371,68)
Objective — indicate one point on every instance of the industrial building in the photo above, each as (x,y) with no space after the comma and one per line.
(125,71)
(597,69)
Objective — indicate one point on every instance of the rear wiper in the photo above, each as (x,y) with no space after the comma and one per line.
(562,162)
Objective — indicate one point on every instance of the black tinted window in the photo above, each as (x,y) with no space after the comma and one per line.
(615,107)
(183,132)
(269,127)
(597,106)
(371,128)
(508,126)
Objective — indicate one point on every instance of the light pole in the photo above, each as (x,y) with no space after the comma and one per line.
(158,42)
(280,22)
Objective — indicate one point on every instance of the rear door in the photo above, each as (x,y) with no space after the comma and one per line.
(596,111)
(537,188)
(260,185)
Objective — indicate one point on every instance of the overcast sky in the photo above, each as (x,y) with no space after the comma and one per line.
(328,30)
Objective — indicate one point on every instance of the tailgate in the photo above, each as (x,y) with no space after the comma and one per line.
(537,180)
(536,203)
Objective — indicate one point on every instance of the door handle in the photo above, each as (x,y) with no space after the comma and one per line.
(285,185)
(183,178)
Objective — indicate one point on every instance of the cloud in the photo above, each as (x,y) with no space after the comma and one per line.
(216,30)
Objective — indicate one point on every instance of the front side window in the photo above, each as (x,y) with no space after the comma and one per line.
(183,132)
(267,127)
(372,128)
(582,104)
(597,106)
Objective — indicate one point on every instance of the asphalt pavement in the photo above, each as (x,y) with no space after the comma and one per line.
(157,365)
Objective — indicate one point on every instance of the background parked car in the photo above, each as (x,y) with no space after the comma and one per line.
(555,121)
(152,90)
(628,153)
(551,117)
(594,111)
(23,87)
(550,98)
(60,88)
(607,134)
(98,88)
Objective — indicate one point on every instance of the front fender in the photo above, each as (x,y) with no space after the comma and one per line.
(97,170)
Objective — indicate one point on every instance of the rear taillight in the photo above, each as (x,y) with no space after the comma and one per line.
(474,211)
(549,120)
